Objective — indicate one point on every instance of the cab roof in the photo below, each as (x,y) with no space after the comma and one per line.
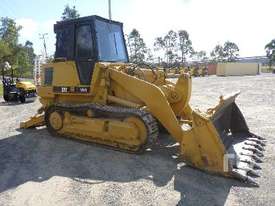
(59,24)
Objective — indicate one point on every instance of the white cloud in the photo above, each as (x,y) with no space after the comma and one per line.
(246,22)
(29,27)
(31,30)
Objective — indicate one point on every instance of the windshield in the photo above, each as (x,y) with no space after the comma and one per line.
(110,42)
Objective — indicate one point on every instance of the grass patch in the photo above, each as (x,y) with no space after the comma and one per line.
(267,69)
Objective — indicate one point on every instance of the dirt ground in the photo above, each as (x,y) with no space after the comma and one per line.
(37,169)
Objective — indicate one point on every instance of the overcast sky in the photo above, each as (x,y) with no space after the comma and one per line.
(249,23)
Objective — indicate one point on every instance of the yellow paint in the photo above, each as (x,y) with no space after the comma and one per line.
(25,85)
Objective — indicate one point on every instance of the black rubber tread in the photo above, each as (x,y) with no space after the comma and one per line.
(22,98)
(114,112)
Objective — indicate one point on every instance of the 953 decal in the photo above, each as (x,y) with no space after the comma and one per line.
(62,89)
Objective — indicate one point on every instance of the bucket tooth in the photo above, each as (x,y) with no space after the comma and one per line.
(260,138)
(260,142)
(242,175)
(252,173)
(251,163)
(254,144)
(247,168)
(250,181)
(259,153)
(256,166)
(253,156)
(254,150)
(257,159)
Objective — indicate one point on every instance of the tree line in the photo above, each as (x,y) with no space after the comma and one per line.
(176,48)
(20,56)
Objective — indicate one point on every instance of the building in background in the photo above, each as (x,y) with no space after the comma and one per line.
(238,69)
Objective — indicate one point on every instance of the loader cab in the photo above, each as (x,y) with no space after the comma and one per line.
(88,40)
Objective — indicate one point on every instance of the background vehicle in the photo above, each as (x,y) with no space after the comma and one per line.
(16,90)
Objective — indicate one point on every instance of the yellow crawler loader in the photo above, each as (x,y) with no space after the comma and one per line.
(91,92)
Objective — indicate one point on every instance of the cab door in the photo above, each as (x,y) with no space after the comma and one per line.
(84,53)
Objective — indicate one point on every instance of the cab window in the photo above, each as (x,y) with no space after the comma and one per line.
(84,42)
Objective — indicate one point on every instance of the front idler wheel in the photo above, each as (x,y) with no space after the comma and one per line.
(54,120)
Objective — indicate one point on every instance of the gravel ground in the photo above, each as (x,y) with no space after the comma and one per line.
(37,169)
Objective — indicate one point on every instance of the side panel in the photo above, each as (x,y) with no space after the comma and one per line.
(64,74)
(66,87)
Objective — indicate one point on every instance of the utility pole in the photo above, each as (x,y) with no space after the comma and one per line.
(110,9)
(42,36)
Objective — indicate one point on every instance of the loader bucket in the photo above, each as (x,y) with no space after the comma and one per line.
(224,143)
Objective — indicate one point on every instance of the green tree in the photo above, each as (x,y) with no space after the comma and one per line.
(231,51)
(137,47)
(200,56)
(170,41)
(217,53)
(69,13)
(20,57)
(24,59)
(23,65)
(184,45)
(4,50)
(30,51)
(270,51)
(9,31)
(168,45)
(159,45)
(149,56)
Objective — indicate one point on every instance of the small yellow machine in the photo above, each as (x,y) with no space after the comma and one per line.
(16,90)
(174,72)
(198,71)
(91,92)
(204,71)
(195,71)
